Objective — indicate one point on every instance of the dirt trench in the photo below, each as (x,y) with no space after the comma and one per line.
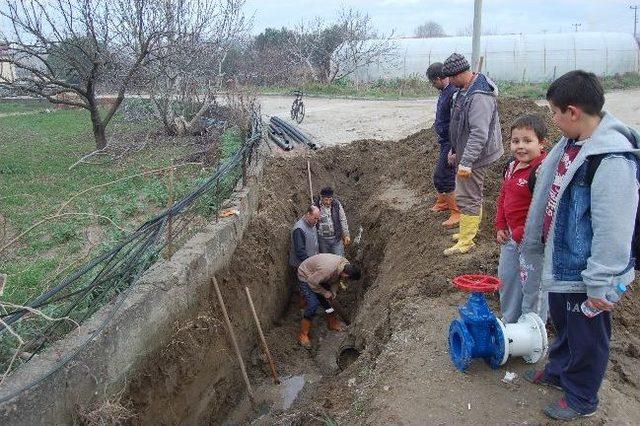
(398,312)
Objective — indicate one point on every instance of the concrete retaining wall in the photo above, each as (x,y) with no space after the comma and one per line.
(140,320)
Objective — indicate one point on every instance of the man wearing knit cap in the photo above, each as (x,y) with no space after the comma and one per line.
(476,143)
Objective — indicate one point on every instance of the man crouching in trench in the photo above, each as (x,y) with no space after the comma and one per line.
(319,276)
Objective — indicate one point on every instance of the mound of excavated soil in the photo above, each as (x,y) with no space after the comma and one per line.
(399,312)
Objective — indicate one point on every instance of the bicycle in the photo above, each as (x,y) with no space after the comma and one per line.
(297,108)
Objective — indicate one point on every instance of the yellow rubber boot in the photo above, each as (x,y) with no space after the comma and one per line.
(469,226)
(456,236)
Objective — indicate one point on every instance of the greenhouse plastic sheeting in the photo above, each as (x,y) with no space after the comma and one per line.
(519,58)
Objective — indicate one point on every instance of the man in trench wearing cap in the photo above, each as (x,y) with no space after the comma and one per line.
(333,229)
(476,143)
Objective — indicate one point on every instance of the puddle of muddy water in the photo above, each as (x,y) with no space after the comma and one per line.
(272,399)
(291,387)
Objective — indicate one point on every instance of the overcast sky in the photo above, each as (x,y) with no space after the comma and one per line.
(500,16)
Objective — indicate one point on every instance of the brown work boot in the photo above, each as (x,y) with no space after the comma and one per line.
(333,323)
(440,205)
(454,219)
(303,337)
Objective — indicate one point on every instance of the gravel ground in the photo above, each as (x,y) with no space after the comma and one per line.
(336,121)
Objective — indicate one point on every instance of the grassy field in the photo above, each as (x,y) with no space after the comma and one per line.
(37,152)
(413,88)
(23,105)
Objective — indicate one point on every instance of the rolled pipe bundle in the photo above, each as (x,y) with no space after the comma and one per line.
(293,132)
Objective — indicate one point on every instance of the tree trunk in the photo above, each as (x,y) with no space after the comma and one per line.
(99,129)
(99,126)
(100,135)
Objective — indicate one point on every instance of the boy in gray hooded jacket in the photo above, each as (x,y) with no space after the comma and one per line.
(578,236)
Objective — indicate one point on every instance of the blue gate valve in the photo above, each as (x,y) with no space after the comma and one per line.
(479,334)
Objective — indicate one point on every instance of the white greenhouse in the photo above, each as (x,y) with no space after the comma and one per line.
(524,57)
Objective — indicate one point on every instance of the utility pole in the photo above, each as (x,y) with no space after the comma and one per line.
(635,19)
(475,44)
(576,25)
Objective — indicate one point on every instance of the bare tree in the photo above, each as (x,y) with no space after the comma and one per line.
(184,83)
(70,51)
(267,59)
(429,29)
(331,50)
(305,44)
(467,31)
(360,46)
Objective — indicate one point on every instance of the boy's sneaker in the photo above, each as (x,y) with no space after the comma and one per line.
(537,378)
(559,410)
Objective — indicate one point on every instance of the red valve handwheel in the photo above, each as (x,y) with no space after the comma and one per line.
(477,283)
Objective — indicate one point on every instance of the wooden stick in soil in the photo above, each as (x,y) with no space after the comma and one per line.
(276,380)
(233,340)
(310,185)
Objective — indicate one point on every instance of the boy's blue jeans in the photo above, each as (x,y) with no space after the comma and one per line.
(513,293)
(509,274)
(313,300)
(578,357)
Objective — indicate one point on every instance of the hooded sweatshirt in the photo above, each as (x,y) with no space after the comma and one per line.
(515,198)
(588,244)
(475,132)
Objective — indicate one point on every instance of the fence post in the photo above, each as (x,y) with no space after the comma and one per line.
(244,166)
(217,199)
(170,215)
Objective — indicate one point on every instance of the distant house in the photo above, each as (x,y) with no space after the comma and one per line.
(7,69)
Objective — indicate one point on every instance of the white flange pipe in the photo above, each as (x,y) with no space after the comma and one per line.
(526,338)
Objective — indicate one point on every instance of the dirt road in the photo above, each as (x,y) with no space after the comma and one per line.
(625,105)
(335,121)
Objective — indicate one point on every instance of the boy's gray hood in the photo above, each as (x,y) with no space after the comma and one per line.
(612,136)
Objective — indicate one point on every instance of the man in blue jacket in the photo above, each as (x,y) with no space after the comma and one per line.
(444,174)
